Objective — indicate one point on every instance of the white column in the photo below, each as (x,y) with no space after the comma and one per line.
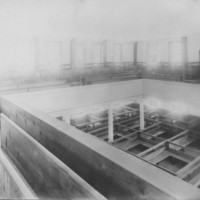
(141,115)
(110,123)
(68,116)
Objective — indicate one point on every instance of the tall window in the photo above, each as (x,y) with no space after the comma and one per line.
(80,55)
(175,53)
(117,49)
(153,55)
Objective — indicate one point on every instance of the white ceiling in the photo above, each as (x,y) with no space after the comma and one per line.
(99,19)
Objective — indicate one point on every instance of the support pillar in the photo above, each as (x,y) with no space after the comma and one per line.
(135,53)
(141,115)
(110,124)
(184,56)
(73,57)
(36,54)
(61,43)
(36,51)
(36,57)
(67,117)
(105,52)
(85,54)
(121,52)
(61,74)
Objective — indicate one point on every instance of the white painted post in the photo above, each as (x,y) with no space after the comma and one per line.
(141,115)
(110,123)
(68,117)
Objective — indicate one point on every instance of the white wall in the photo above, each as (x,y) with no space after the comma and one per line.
(82,96)
(176,96)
